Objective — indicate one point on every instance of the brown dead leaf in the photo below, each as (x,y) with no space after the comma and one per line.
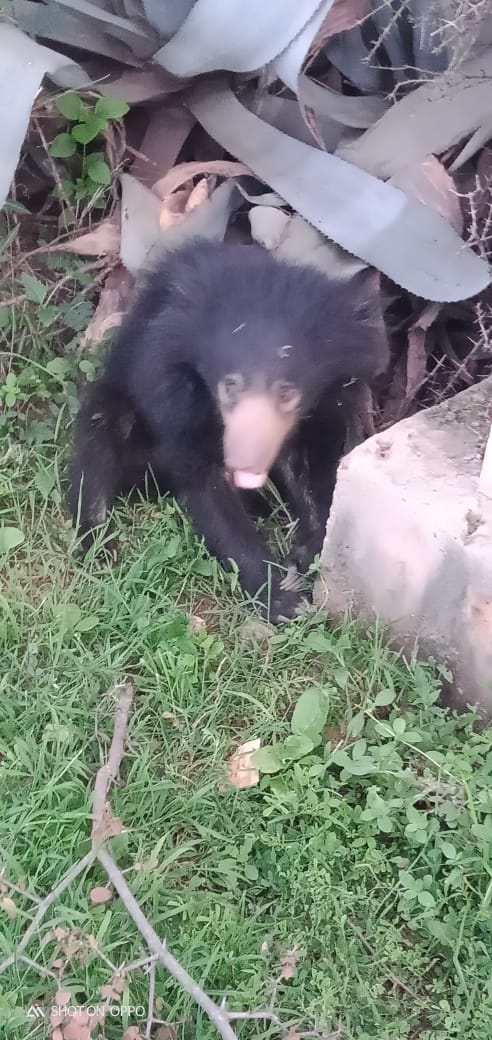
(7,904)
(119,982)
(186,171)
(100,894)
(197,624)
(78,1027)
(62,997)
(133,1033)
(240,771)
(61,934)
(343,15)
(288,964)
(417,352)
(110,310)
(167,1032)
(173,208)
(166,133)
(200,193)
(103,240)
(430,183)
(175,722)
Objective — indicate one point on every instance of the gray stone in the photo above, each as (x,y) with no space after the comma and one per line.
(409,539)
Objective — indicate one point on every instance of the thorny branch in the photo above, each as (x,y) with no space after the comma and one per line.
(105,825)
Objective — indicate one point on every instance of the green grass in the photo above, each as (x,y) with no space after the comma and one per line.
(371,855)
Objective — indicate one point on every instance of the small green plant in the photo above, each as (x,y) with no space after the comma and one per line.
(88,122)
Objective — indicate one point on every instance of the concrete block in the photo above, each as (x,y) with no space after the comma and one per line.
(409,539)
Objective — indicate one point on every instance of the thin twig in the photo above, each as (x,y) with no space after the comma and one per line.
(45,904)
(38,967)
(164,957)
(108,772)
(239,1016)
(150,1009)
(16,888)
(370,949)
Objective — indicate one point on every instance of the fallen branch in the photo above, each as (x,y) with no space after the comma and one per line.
(44,906)
(219,1018)
(103,819)
(105,825)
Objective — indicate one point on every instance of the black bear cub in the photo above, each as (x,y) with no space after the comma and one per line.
(229,369)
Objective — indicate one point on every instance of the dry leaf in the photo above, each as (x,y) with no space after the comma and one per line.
(170,717)
(288,964)
(132,1033)
(200,193)
(163,140)
(343,15)
(57,1034)
(104,240)
(173,208)
(197,624)
(107,992)
(241,773)
(9,906)
(167,1032)
(430,183)
(186,171)
(100,895)
(62,997)
(78,1027)
(61,934)
(111,307)
(119,982)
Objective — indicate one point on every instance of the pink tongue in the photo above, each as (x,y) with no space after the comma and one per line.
(244,479)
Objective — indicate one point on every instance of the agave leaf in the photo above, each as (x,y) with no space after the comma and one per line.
(141,41)
(23,66)
(233,35)
(291,238)
(359,112)
(475,143)
(286,115)
(350,111)
(140,226)
(209,220)
(289,63)
(143,240)
(166,17)
(72,30)
(349,54)
(427,121)
(410,243)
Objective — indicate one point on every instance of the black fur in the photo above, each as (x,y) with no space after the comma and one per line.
(207,310)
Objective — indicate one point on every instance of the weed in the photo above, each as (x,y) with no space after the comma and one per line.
(86,123)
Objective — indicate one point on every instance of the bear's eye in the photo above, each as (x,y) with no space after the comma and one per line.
(288,395)
(230,388)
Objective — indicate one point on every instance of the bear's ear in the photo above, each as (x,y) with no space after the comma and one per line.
(371,354)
